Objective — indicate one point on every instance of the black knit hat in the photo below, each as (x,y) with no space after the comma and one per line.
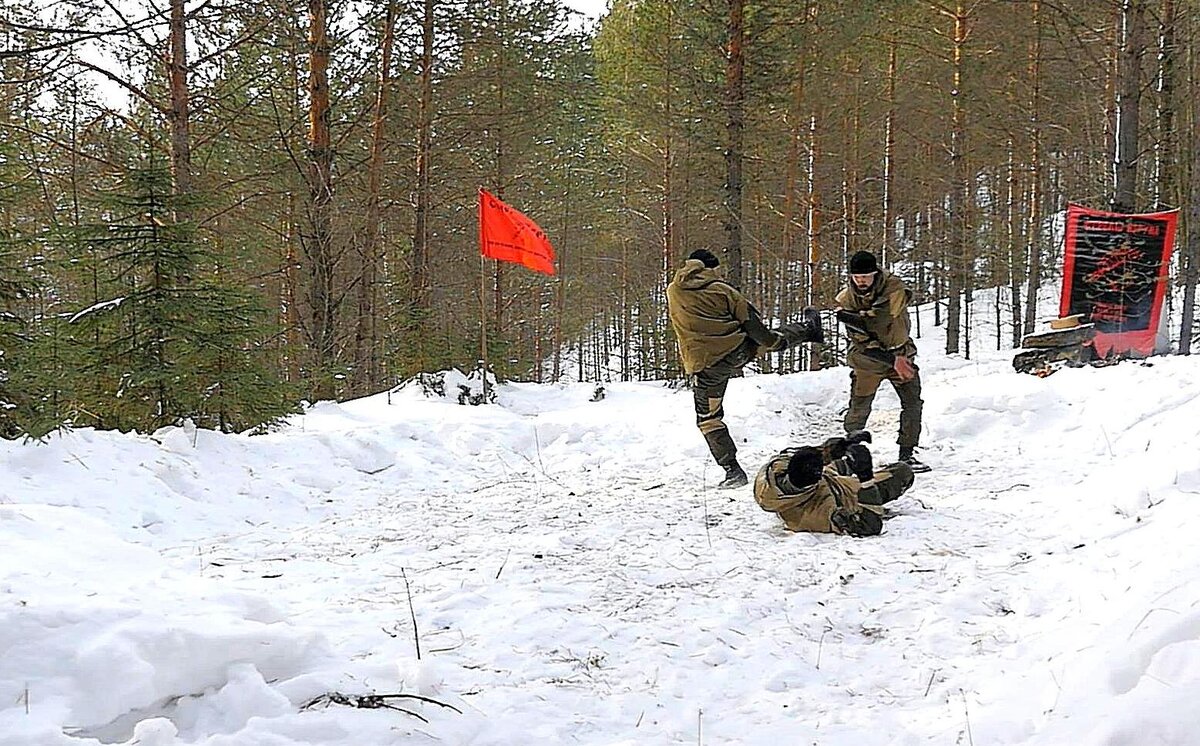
(863,263)
(805,466)
(709,259)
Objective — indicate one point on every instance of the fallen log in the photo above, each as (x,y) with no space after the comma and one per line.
(1073,336)
(1039,359)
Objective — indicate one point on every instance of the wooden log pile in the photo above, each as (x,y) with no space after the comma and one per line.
(1066,343)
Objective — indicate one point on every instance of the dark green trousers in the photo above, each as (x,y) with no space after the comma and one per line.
(708,395)
(891,481)
(863,386)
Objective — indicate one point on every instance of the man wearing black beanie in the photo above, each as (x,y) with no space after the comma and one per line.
(874,309)
(718,332)
(811,492)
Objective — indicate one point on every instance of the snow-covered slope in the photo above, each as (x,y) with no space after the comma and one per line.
(574,577)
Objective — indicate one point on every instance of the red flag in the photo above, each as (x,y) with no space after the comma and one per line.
(509,236)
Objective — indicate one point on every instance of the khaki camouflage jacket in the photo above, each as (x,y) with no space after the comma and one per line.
(884,311)
(710,317)
(808,508)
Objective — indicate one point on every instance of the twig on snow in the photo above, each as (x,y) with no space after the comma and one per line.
(462,641)
(375,702)
(1057,694)
(1146,616)
(412,613)
(707,533)
(537,444)
(1013,487)
(78,460)
(502,564)
(501,483)
(540,465)
(967,715)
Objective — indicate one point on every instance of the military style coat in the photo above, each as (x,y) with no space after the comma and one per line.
(808,508)
(711,318)
(883,309)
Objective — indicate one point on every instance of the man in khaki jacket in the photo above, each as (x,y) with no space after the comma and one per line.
(718,332)
(811,493)
(874,309)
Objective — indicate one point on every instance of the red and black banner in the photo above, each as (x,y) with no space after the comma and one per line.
(1115,273)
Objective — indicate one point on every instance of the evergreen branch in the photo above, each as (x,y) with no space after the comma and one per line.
(231,45)
(117,11)
(48,72)
(58,143)
(85,33)
(124,84)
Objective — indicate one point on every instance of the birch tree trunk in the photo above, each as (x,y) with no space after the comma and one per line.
(959,190)
(813,236)
(795,133)
(1165,195)
(1015,263)
(560,284)
(501,160)
(1033,248)
(1190,256)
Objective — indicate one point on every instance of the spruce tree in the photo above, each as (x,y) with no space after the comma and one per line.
(15,286)
(170,341)
(12,339)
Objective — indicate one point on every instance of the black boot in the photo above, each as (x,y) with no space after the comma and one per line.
(907,457)
(734,477)
(808,330)
(814,332)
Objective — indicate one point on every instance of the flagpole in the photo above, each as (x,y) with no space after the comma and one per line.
(483,351)
(483,348)
(505,235)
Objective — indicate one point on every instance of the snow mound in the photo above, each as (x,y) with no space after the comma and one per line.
(553,568)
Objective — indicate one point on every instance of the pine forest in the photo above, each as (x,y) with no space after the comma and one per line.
(217,211)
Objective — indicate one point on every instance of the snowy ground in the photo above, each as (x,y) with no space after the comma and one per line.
(574,578)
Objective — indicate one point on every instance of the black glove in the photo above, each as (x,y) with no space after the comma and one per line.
(858,436)
(858,458)
(812,322)
(835,448)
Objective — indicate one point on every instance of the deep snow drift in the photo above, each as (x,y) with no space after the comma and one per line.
(574,578)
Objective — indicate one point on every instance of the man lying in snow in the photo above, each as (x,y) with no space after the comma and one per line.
(830,489)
